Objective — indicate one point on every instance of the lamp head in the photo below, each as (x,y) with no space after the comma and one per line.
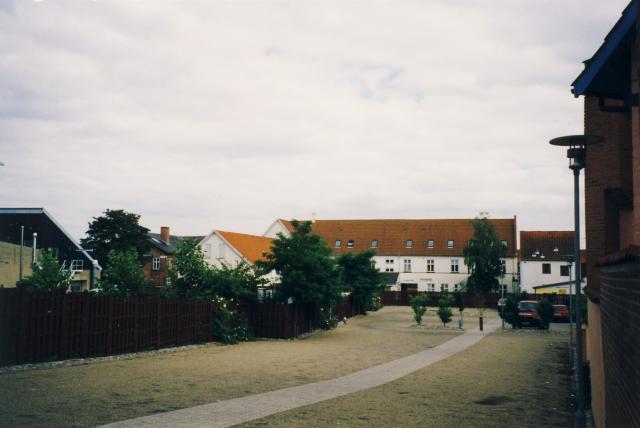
(576,151)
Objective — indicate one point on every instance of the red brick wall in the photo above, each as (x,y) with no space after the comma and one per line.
(620,309)
(159,277)
(608,167)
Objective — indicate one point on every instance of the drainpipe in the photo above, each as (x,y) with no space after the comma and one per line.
(34,256)
(21,250)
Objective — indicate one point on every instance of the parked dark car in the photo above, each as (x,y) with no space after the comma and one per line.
(527,314)
(560,313)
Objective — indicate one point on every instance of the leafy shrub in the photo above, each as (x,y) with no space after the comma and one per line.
(545,312)
(375,304)
(419,306)
(329,322)
(47,275)
(444,307)
(510,311)
(229,326)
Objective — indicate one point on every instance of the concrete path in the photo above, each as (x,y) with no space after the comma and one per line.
(243,409)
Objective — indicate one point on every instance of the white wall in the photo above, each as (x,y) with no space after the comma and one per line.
(531,274)
(223,253)
(275,228)
(442,271)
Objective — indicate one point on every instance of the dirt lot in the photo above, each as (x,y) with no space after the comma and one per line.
(104,392)
(516,378)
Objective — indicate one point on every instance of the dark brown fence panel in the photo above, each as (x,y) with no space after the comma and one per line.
(52,326)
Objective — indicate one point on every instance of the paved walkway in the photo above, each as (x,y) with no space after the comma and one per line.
(243,409)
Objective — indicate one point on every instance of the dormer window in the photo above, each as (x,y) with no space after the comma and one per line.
(374,243)
(431,243)
(450,243)
(350,243)
(338,243)
(409,243)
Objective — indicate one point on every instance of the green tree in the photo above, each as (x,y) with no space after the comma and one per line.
(123,275)
(482,255)
(545,311)
(419,306)
(190,274)
(193,278)
(115,230)
(47,275)
(510,313)
(361,277)
(444,307)
(308,273)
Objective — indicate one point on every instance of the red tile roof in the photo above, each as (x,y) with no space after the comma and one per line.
(554,245)
(251,247)
(392,235)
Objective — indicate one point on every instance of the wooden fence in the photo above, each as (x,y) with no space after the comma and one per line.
(55,326)
(471,300)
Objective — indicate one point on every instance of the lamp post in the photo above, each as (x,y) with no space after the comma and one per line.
(576,153)
(570,261)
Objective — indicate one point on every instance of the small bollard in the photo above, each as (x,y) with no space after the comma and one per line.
(480,319)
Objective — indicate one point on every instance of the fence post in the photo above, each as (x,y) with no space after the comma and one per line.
(177,322)
(136,316)
(110,309)
(24,338)
(85,323)
(158,309)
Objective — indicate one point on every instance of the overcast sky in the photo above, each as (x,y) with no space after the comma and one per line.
(211,115)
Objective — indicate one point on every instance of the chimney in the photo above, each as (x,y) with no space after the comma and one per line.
(164,233)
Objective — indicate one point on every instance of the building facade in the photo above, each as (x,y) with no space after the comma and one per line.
(425,254)
(546,257)
(610,84)
(231,248)
(35,229)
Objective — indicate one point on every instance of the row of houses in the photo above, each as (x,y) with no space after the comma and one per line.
(415,254)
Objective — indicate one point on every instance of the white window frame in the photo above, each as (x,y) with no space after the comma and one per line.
(409,243)
(431,243)
(451,243)
(155,263)
(444,287)
(455,265)
(431,286)
(503,266)
(407,265)
(338,243)
(374,243)
(351,243)
(207,251)
(431,265)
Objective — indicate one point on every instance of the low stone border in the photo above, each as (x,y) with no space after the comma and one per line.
(83,361)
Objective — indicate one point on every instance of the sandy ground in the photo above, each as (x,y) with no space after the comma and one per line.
(511,379)
(114,390)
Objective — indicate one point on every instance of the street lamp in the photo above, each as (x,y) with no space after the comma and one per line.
(576,153)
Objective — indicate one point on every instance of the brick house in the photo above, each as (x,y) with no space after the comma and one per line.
(610,83)
(160,256)
(425,254)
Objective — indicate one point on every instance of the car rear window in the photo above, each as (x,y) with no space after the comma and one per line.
(524,306)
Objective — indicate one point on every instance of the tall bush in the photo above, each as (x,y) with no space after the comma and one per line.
(419,306)
(47,275)
(444,307)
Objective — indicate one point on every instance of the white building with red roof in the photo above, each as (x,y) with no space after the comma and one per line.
(426,254)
